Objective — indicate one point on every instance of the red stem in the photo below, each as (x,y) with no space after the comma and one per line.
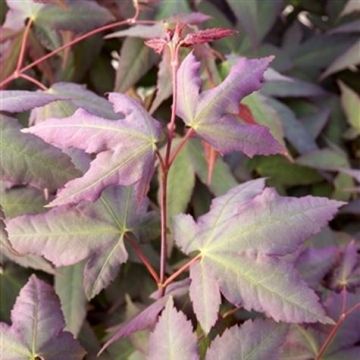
(334,330)
(143,259)
(186,266)
(34,81)
(183,142)
(78,39)
(23,46)
(165,170)
(163,219)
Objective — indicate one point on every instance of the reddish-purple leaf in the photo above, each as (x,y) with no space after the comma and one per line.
(94,232)
(173,336)
(125,148)
(314,263)
(157,44)
(211,113)
(243,242)
(208,35)
(37,327)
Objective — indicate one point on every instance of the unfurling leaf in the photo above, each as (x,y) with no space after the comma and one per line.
(173,337)
(208,35)
(243,242)
(256,340)
(37,327)
(94,232)
(213,113)
(156,44)
(125,148)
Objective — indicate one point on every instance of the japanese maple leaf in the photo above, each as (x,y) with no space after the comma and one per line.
(173,338)
(258,339)
(93,232)
(125,148)
(37,330)
(242,242)
(212,114)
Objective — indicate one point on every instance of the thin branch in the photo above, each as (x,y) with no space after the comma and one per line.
(185,267)
(78,39)
(143,258)
(161,160)
(171,125)
(183,142)
(163,220)
(335,329)
(23,46)
(34,81)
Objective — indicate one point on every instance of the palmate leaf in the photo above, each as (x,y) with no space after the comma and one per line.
(27,160)
(37,327)
(243,241)
(172,337)
(255,340)
(125,148)
(94,232)
(213,113)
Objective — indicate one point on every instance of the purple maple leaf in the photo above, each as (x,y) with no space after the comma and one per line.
(243,241)
(37,329)
(125,148)
(212,113)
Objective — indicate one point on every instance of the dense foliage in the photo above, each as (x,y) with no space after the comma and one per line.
(193,195)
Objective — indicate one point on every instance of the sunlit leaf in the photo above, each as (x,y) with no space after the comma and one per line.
(242,242)
(125,147)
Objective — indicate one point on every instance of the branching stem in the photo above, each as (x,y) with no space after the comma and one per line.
(19,69)
(335,329)
(34,81)
(143,258)
(181,145)
(174,50)
(185,267)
